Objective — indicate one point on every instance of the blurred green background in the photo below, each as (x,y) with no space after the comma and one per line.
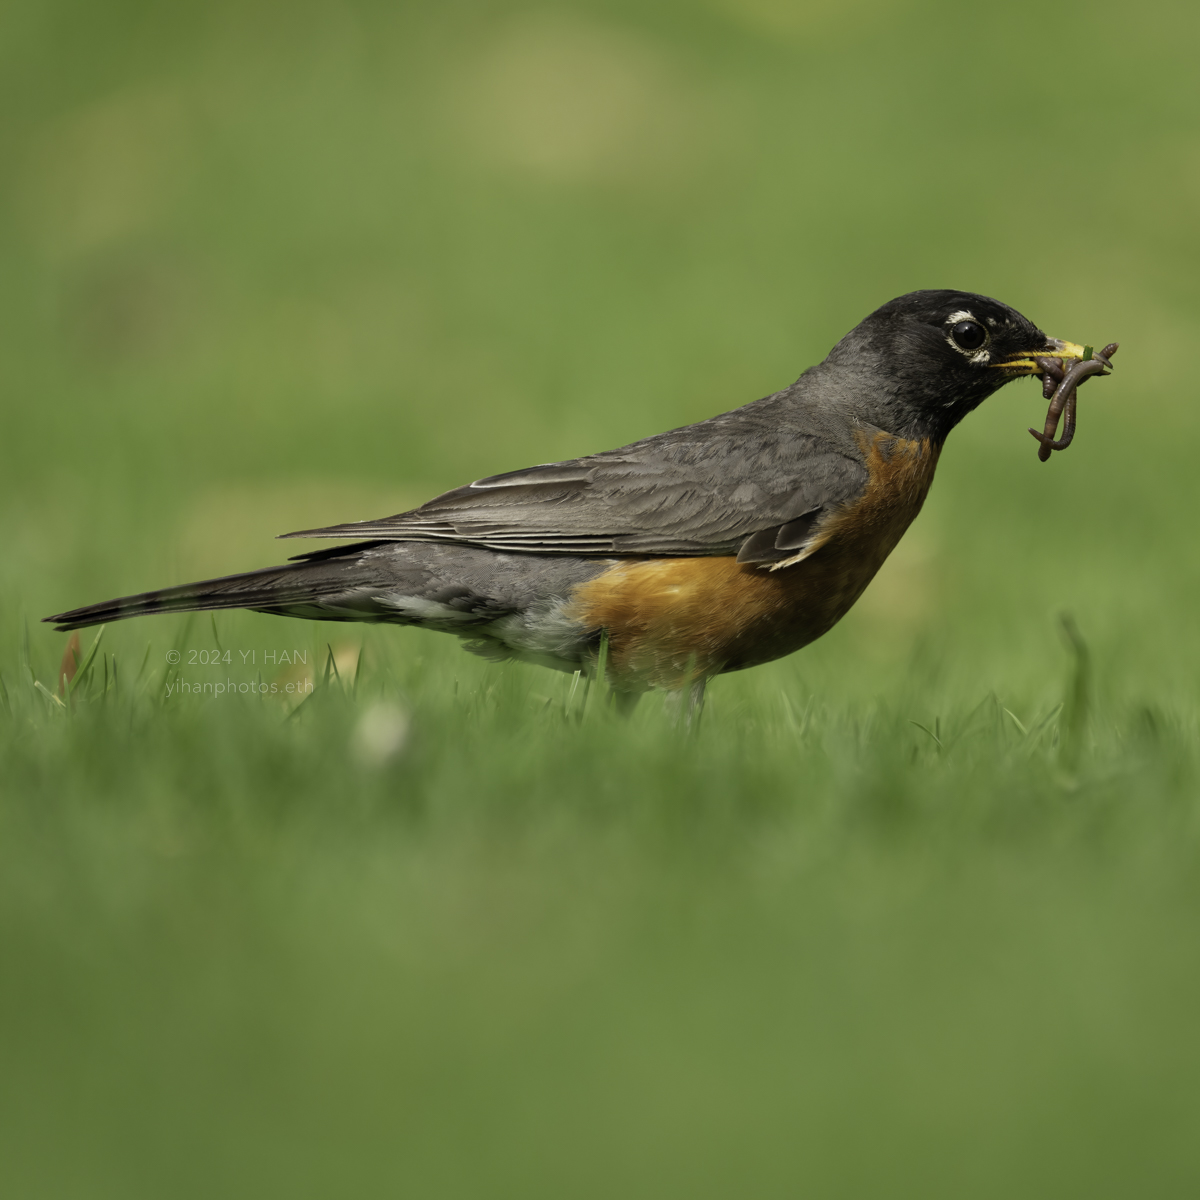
(273,265)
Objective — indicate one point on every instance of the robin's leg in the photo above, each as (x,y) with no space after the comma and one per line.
(685,704)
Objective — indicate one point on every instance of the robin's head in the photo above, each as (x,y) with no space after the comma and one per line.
(937,355)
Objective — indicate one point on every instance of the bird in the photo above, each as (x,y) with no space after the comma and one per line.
(707,549)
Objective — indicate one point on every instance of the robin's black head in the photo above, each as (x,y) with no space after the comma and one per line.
(925,360)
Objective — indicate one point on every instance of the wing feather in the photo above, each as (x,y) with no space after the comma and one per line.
(701,490)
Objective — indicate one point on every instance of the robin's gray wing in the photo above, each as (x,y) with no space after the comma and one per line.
(723,487)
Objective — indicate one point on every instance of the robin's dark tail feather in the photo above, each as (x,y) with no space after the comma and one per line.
(304,582)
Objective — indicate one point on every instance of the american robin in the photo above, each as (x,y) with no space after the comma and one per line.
(711,548)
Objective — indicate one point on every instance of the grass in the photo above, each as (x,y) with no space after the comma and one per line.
(910,913)
(539,949)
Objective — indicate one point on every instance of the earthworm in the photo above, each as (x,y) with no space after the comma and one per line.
(1058,386)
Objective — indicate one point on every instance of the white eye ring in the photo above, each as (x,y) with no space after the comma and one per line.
(980,354)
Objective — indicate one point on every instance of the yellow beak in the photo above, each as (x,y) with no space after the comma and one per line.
(1025,362)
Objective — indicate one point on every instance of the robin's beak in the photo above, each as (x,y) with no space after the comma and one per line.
(1025,363)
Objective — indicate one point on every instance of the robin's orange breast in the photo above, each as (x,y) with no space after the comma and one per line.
(670,620)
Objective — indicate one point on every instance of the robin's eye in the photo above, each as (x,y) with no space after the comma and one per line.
(970,335)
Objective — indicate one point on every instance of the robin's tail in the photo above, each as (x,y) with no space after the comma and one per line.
(300,588)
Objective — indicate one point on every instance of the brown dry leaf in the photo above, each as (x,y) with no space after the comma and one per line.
(69,664)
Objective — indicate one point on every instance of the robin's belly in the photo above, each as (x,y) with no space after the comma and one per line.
(672,619)
(668,620)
